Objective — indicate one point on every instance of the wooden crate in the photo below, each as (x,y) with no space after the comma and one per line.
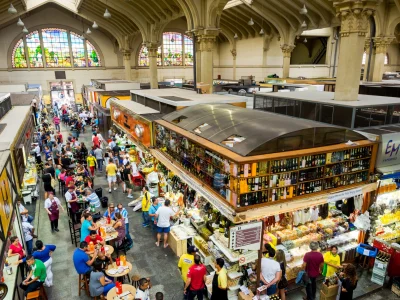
(178,246)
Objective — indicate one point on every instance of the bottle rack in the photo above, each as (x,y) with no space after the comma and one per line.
(299,176)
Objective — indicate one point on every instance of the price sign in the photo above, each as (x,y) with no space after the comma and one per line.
(248,257)
(366,252)
(246,236)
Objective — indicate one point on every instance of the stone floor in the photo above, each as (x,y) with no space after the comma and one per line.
(148,261)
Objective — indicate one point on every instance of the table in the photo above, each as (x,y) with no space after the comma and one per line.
(110,250)
(119,275)
(125,287)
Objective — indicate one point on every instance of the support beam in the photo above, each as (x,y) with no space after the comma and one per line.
(367,51)
(381,45)
(234,53)
(153,66)
(287,53)
(207,40)
(127,64)
(354,17)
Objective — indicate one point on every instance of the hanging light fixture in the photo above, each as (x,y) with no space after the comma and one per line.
(20,23)
(88,31)
(235,36)
(304,24)
(172,40)
(107,14)
(303,10)
(25,30)
(261,31)
(336,37)
(95,26)
(250,22)
(305,40)
(12,10)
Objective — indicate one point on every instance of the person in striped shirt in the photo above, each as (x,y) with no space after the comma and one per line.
(124,213)
(92,197)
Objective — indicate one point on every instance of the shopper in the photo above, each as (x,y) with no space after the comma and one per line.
(56,121)
(270,271)
(96,140)
(143,292)
(47,178)
(283,283)
(87,226)
(52,206)
(98,154)
(185,262)
(91,162)
(99,284)
(332,262)
(110,212)
(94,238)
(119,227)
(82,262)
(152,212)
(349,282)
(163,217)
(146,206)
(28,230)
(220,281)
(92,198)
(196,278)
(24,212)
(36,276)
(124,213)
(313,262)
(111,171)
(126,175)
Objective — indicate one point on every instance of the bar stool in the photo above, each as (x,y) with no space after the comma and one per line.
(135,281)
(36,295)
(83,284)
(75,232)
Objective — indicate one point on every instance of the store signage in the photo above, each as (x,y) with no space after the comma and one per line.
(345,194)
(214,156)
(248,257)
(388,153)
(246,236)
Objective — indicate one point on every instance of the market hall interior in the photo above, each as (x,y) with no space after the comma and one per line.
(190,149)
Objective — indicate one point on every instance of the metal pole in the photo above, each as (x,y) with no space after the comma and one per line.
(194,62)
(260,253)
(371,34)
(334,59)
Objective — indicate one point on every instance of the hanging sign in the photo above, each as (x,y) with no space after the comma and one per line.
(388,153)
(345,194)
(246,236)
(248,257)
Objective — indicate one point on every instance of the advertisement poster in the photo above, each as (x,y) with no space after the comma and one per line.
(5,202)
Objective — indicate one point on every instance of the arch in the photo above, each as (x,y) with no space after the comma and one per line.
(180,51)
(392,26)
(66,50)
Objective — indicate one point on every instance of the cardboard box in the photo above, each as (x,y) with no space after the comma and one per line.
(322,296)
(242,296)
(329,291)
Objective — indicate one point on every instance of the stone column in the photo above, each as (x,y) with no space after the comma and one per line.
(153,66)
(354,25)
(234,53)
(366,46)
(381,44)
(207,42)
(287,53)
(127,64)
(198,61)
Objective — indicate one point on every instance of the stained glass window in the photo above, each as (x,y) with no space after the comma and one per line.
(18,56)
(188,51)
(78,50)
(144,57)
(93,55)
(176,50)
(58,46)
(34,50)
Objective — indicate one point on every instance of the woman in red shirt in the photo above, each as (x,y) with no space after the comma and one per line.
(17,249)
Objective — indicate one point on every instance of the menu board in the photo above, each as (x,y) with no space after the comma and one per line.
(246,236)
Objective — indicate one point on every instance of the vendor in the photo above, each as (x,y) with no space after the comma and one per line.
(332,262)
(220,282)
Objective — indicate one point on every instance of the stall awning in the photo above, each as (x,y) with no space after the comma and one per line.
(249,132)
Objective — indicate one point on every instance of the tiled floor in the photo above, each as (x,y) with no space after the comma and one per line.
(148,261)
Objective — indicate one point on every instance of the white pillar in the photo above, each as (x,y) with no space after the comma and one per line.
(381,44)
(207,43)
(153,67)
(127,64)
(234,53)
(287,53)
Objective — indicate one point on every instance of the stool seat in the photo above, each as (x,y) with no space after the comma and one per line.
(83,284)
(33,295)
(38,294)
(135,281)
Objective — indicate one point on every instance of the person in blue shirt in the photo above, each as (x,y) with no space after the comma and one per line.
(82,262)
(43,253)
(124,213)
(110,211)
(87,225)
(152,212)
(92,197)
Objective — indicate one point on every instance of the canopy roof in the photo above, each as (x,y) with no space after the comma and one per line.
(250,132)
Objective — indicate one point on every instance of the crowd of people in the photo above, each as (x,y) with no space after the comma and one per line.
(70,165)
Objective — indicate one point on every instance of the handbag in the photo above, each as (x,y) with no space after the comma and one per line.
(283,283)
(53,183)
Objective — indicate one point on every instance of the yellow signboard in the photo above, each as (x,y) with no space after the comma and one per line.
(6,206)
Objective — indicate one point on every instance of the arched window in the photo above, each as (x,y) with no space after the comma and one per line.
(176,50)
(364,59)
(54,48)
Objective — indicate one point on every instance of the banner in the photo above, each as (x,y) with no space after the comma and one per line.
(388,152)
(345,194)
(5,202)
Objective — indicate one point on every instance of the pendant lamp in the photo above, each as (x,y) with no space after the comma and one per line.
(20,23)
(261,31)
(11,9)
(88,31)
(303,10)
(95,26)
(107,14)
(250,22)
(235,36)
(304,24)
(25,30)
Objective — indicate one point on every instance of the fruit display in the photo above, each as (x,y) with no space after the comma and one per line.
(200,243)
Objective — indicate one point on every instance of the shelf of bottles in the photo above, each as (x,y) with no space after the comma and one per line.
(254,183)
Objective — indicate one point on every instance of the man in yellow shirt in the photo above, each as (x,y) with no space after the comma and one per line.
(220,282)
(332,261)
(146,202)
(111,171)
(185,262)
(91,162)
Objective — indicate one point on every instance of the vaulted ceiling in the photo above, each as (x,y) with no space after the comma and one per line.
(132,17)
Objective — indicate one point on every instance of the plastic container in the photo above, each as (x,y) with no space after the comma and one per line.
(27,197)
(363,249)
(104,202)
